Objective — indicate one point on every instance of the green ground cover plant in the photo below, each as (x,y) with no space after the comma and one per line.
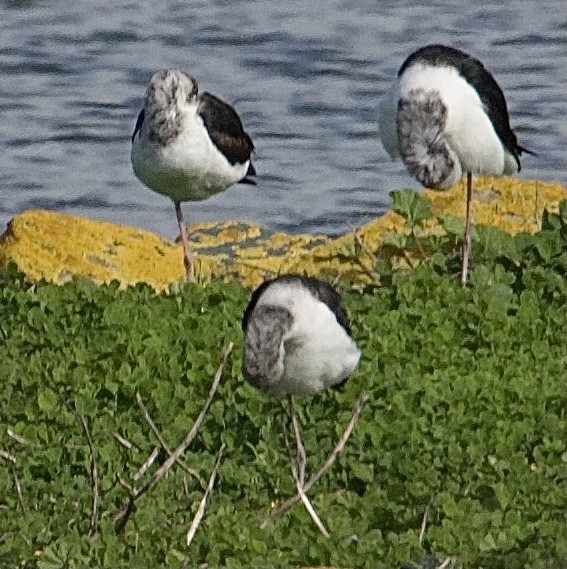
(466,419)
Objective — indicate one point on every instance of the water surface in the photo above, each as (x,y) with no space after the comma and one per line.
(305,77)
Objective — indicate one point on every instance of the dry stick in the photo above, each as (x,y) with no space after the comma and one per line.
(19,491)
(122,519)
(299,485)
(308,505)
(147,463)
(279,512)
(423,525)
(19,438)
(160,438)
(7,456)
(201,509)
(124,442)
(131,489)
(448,560)
(94,478)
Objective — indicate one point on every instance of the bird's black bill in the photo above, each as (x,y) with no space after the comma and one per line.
(139,124)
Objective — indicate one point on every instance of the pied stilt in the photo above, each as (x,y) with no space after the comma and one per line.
(297,341)
(188,145)
(445,116)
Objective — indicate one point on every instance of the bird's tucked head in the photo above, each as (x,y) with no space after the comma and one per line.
(263,362)
(170,86)
(422,144)
(166,94)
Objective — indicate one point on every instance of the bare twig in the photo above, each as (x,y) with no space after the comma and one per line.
(279,512)
(147,463)
(122,519)
(448,561)
(19,491)
(423,525)
(19,438)
(131,489)
(124,442)
(298,478)
(7,456)
(307,503)
(94,478)
(201,509)
(192,472)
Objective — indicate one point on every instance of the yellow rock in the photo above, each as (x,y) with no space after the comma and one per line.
(56,246)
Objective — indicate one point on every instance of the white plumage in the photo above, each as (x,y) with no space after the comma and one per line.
(296,340)
(188,145)
(446,116)
(468,130)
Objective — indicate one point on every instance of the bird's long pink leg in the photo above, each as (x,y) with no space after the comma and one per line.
(188,260)
(468,232)
(301,457)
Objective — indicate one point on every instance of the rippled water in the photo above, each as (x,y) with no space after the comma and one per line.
(304,76)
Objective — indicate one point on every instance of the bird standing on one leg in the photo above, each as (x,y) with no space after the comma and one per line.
(446,116)
(188,145)
(297,339)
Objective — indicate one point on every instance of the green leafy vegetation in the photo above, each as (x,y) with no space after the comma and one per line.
(466,419)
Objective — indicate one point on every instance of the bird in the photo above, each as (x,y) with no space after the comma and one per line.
(188,145)
(297,341)
(444,116)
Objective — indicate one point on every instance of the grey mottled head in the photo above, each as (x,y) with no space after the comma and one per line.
(166,94)
(263,363)
(422,143)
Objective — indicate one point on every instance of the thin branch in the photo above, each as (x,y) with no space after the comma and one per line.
(94,478)
(201,510)
(192,472)
(147,463)
(165,467)
(297,478)
(131,489)
(19,491)
(124,442)
(308,506)
(423,525)
(19,438)
(279,512)
(7,456)
(448,561)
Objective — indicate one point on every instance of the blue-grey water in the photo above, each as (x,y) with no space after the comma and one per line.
(305,77)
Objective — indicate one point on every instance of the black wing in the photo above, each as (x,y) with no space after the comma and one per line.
(327,294)
(225,129)
(139,124)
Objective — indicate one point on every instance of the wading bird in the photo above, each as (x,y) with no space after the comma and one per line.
(445,116)
(188,145)
(297,340)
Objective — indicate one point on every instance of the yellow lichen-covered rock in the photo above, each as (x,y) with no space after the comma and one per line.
(56,246)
